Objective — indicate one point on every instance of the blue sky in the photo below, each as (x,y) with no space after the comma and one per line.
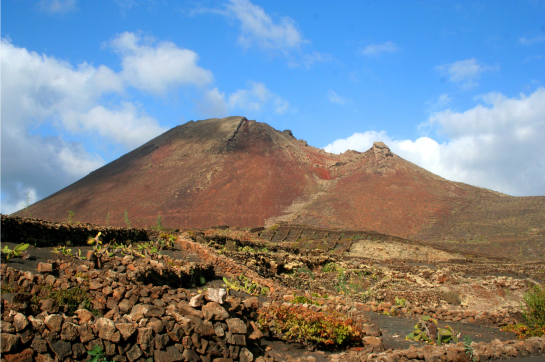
(457,87)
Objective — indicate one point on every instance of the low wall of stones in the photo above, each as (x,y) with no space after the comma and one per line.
(44,233)
(494,351)
(497,318)
(132,321)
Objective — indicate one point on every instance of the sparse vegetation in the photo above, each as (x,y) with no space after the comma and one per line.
(301,299)
(297,324)
(306,271)
(242,283)
(274,227)
(248,249)
(452,298)
(426,330)
(534,312)
(159,223)
(16,252)
(63,250)
(70,218)
(127,221)
(98,354)
(469,349)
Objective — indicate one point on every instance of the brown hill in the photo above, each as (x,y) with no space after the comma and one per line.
(244,173)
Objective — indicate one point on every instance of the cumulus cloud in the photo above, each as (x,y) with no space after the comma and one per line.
(57,6)
(41,91)
(377,49)
(126,125)
(333,97)
(158,68)
(259,29)
(497,144)
(466,72)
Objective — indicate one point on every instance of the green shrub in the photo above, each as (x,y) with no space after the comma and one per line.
(534,313)
(452,298)
(301,299)
(330,267)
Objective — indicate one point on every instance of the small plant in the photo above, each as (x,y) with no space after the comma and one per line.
(166,241)
(445,335)
(242,283)
(108,219)
(469,349)
(16,252)
(452,298)
(63,250)
(534,312)
(159,225)
(306,271)
(274,227)
(301,299)
(98,354)
(400,302)
(79,256)
(424,330)
(70,218)
(330,267)
(127,221)
(246,249)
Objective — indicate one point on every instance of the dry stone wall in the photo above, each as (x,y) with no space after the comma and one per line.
(130,320)
(43,233)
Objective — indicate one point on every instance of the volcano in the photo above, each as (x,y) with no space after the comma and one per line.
(238,172)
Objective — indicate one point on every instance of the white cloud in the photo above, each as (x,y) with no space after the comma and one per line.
(57,6)
(499,147)
(160,68)
(335,98)
(127,125)
(213,104)
(466,72)
(41,91)
(255,98)
(258,29)
(531,41)
(377,49)
(314,57)
(441,102)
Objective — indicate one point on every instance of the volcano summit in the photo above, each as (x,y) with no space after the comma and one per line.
(244,173)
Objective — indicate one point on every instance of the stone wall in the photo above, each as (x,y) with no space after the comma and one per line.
(131,320)
(494,351)
(43,233)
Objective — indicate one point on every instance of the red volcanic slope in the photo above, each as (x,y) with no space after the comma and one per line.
(244,173)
